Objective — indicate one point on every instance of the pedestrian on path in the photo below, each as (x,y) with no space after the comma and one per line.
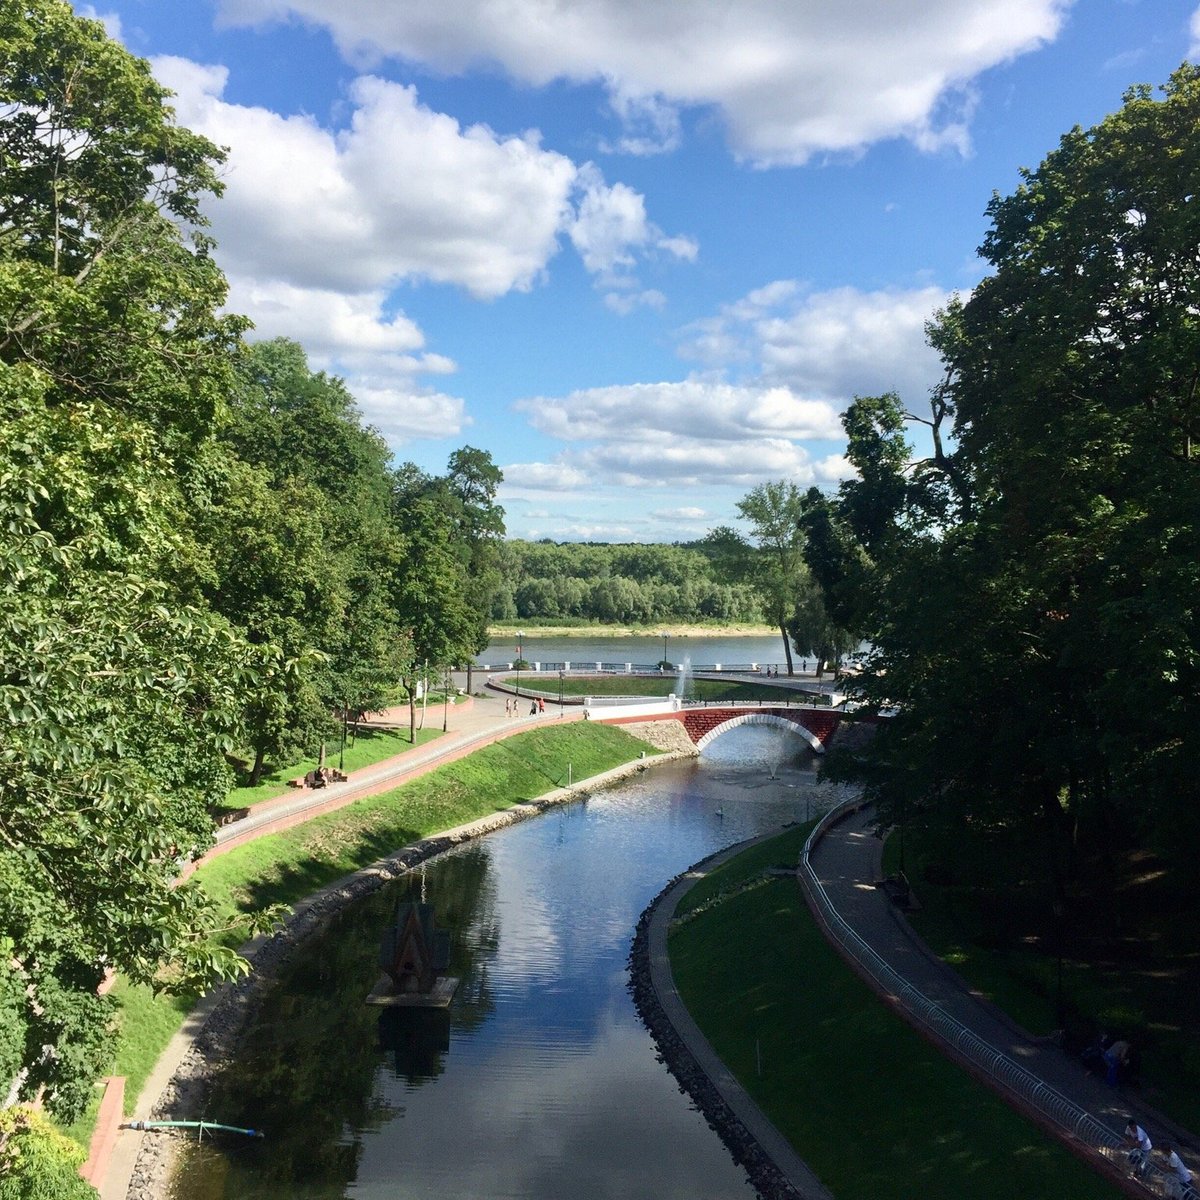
(1179,1178)
(1138,1141)
(541,706)
(508,708)
(533,709)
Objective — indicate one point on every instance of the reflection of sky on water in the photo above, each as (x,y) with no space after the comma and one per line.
(550,1086)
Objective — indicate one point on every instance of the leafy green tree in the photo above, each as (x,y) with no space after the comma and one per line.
(118,696)
(1049,546)
(778,570)
(36,1161)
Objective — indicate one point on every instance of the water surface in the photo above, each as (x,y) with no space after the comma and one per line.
(539,1081)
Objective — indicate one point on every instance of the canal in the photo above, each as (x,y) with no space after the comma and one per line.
(539,1081)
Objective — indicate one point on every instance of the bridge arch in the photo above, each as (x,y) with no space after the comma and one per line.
(761,718)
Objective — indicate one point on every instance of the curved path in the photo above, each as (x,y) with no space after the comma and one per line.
(847,864)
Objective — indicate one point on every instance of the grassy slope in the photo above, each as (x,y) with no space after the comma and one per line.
(286,867)
(876,1112)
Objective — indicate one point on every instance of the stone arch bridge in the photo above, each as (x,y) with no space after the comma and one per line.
(704,723)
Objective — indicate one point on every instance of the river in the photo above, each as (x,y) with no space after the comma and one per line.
(587,651)
(539,1082)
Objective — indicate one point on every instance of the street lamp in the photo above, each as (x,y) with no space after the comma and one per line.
(520,656)
(560,693)
(663,662)
(342,751)
(446,701)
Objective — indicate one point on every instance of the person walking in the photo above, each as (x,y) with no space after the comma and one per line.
(1179,1178)
(1139,1146)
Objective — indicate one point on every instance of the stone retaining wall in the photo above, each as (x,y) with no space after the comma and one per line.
(227,1014)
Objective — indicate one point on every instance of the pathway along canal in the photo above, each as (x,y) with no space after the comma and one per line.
(539,1081)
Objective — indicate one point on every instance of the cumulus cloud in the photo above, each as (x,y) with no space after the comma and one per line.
(789,80)
(318,225)
(832,344)
(695,410)
(542,477)
(403,193)
(680,514)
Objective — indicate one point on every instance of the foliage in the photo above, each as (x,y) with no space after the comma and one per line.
(117,696)
(36,1161)
(1030,587)
(637,584)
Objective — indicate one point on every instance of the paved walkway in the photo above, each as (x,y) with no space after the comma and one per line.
(847,862)
(471,725)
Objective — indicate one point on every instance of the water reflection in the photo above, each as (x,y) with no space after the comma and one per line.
(542,1082)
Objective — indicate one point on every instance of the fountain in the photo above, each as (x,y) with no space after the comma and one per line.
(684,678)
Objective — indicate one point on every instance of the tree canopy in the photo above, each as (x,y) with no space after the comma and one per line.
(201,548)
(1031,586)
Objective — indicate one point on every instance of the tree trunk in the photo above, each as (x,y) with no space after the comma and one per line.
(412,715)
(260,757)
(787,647)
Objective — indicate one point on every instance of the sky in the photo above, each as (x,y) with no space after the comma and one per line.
(643,252)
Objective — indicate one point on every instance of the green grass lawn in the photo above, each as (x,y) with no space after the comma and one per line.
(286,867)
(868,1104)
(653,685)
(371,746)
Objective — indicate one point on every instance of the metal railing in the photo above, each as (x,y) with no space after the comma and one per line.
(1013,1077)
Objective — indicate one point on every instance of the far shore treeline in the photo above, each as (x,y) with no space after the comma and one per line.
(207,561)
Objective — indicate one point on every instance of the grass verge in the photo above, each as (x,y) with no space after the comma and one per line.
(287,867)
(371,746)
(868,1104)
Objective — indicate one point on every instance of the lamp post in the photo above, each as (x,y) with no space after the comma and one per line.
(663,663)
(446,700)
(520,656)
(342,751)
(560,693)
(1060,911)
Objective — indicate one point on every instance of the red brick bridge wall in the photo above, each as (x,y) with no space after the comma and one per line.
(698,722)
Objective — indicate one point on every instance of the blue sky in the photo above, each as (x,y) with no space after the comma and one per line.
(642,252)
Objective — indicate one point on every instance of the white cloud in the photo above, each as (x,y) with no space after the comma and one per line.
(692,463)
(831,345)
(790,80)
(403,193)
(696,410)
(326,322)
(542,477)
(623,303)
(680,514)
(401,414)
(317,225)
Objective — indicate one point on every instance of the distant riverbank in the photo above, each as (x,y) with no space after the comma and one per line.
(531,629)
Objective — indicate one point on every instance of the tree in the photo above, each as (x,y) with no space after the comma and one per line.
(778,570)
(119,695)
(1050,543)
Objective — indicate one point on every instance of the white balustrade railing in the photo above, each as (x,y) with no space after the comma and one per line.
(1013,1077)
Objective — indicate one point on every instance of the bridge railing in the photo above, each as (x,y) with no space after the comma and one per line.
(1011,1075)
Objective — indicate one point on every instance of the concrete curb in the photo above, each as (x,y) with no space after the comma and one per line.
(774,1167)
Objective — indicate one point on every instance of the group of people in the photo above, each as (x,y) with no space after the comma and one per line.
(512,707)
(1180,1184)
